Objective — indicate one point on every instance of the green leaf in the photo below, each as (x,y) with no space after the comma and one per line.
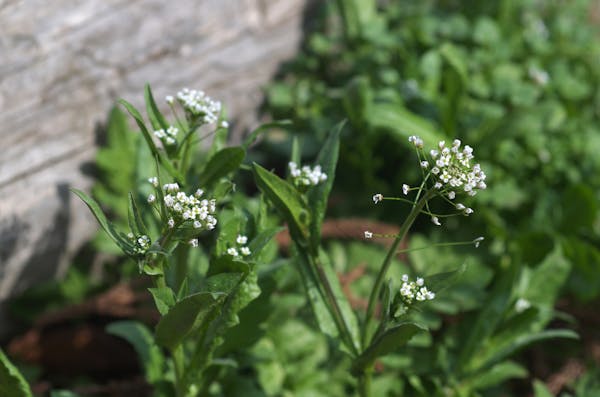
(489,317)
(148,138)
(156,118)
(286,199)
(220,164)
(254,134)
(261,240)
(184,317)
(389,341)
(104,223)
(540,389)
(523,341)
(402,122)
(318,195)
(136,223)
(163,299)
(498,374)
(142,341)
(12,382)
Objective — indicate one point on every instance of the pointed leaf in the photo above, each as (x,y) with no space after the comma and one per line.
(156,118)
(403,122)
(142,340)
(104,223)
(286,200)
(136,222)
(148,138)
(221,164)
(184,316)
(254,134)
(318,196)
(393,338)
(12,383)
(163,299)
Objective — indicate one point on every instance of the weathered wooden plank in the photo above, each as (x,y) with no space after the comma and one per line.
(63,64)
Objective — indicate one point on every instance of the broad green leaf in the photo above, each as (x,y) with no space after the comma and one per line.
(440,281)
(104,223)
(521,342)
(455,59)
(261,240)
(540,389)
(142,340)
(221,164)
(184,316)
(148,138)
(163,299)
(318,195)
(403,123)
(286,199)
(389,341)
(254,134)
(136,223)
(548,278)
(12,382)
(156,118)
(497,374)
(489,317)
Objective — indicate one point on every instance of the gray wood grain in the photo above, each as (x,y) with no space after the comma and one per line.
(64,63)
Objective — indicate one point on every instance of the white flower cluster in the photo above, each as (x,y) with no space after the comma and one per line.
(453,170)
(169,137)
(198,104)
(306,176)
(183,207)
(241,246)
(140,243)
(411,290)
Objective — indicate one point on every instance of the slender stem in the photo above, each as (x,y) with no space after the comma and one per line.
(178,364)
(388,260)
(364,383)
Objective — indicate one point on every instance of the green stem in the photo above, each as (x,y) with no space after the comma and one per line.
(178,364)
(364,383)
(388,261)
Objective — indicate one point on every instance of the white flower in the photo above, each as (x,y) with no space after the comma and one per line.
(377,198)
(245,251)
(224,124)
(193,242)
(405,189)
(451,194)
(171,223)
(199,106)
(415,140)
(306,176)
(522,305)
(420,281)
(435,221)
(477,241)
(151,198)
(241,239)
(424,164)
(460,207)
(468,211)
(232,251)
(171,187)
(368,234)
(153,181)
(142,243)
(169,99)
(405,278)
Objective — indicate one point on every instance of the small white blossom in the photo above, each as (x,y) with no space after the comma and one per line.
(411,290)
(415,140)
(232,251)
(424,164)
(460,207)
(306,176)
(245,251)
(151,198)
(420,281)
(377,198)
(171,223)
(153,181)
(468,211)
(199,106)
(241,239)
(169,99)
(224,124)
(451,194)
(193,242)
(141,243)
(522,305)
(171,187)
(435,221)
(405,189)
(368,234)
(477,241)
